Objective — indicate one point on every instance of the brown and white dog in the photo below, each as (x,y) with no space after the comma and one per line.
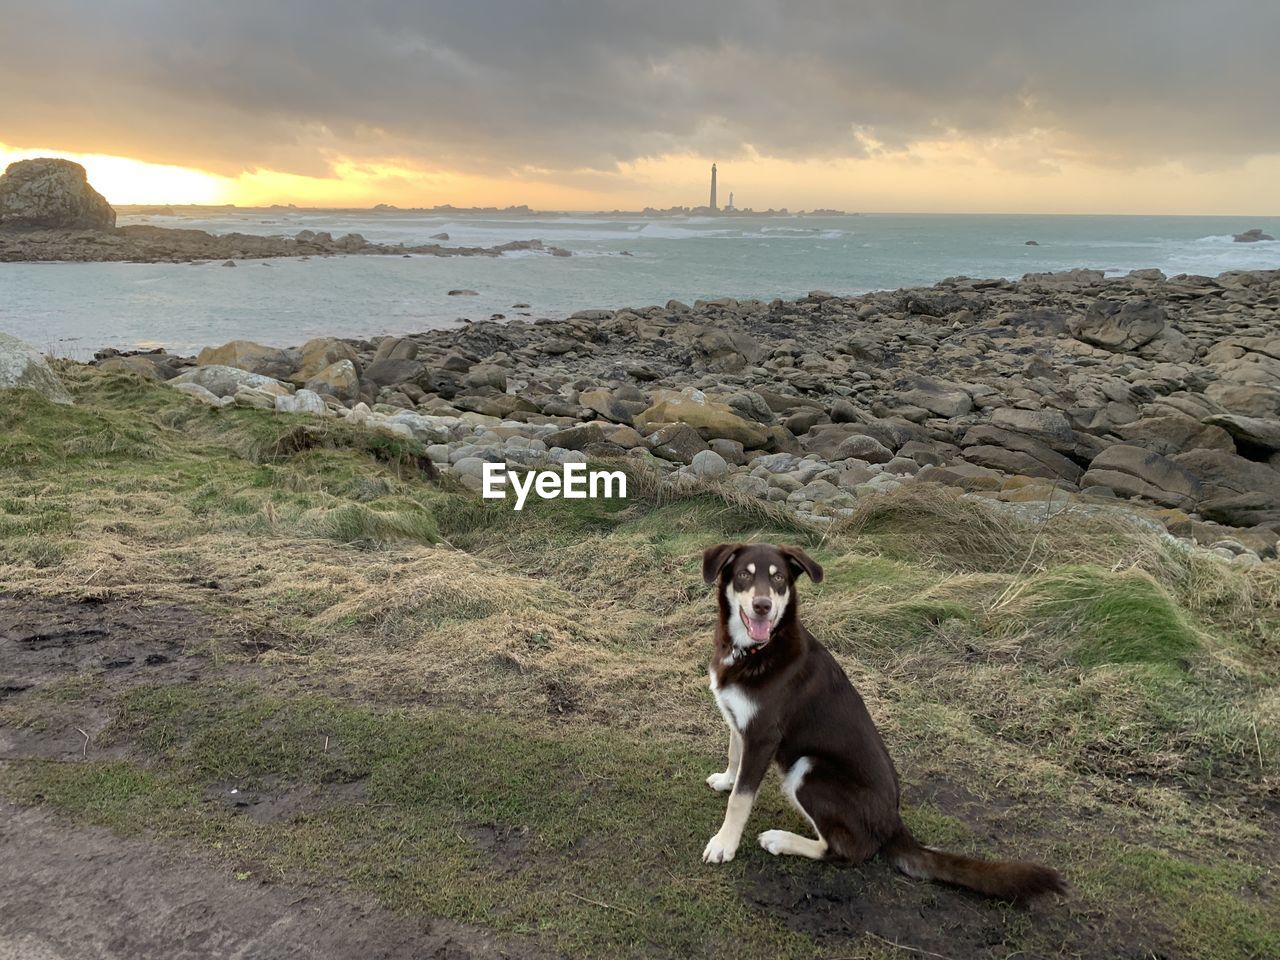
(787,701)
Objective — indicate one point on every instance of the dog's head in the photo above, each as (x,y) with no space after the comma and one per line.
(757,586)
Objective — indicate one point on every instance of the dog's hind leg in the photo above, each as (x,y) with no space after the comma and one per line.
(725,781)
(783,842)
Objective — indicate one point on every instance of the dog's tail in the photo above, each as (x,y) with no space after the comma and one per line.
(1008,881)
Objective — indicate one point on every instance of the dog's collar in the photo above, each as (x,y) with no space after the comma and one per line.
(741,653)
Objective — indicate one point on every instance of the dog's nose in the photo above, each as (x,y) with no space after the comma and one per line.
(761,605)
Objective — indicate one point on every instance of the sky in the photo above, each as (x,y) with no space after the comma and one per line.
(1039,106)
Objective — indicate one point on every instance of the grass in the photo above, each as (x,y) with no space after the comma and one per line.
(515,711)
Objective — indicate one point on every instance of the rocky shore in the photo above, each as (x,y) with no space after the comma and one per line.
(49,212)
(147,244)
(1154,397)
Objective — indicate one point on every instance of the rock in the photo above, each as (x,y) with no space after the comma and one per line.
(1049,426)
(708,465)
(1175,434)
(463,293)
(968,476)
(246,355)
(387,373)
(439,236)
(501,405)
(1234,489)
(1133,471)
(23,368)
(149,366)
(52,194)
(619,405)
(709,417)
(339,380)
(731,450)
(842,411)
(577,438)
(1245,399)
(937,396)
(255,398)
(197,392)
(1256,432)
(802,420)
(224,381)
(315,355)
(677,442)
(396,348)
(1251,236)
(750,405)
(1119,326)
(862,447)
(1016,453)
(304,401)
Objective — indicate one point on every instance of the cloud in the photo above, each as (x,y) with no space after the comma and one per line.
(585,85)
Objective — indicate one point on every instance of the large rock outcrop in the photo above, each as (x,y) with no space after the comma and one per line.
(51,194)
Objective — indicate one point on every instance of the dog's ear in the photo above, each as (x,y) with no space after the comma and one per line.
(715,559)
(801,562)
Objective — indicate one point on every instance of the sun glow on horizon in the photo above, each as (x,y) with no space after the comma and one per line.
(952,175)
(123,180)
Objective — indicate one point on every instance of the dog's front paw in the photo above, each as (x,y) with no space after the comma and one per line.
(722,782)
(717,851)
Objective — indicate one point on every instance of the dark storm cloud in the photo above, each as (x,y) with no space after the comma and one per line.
(574,84)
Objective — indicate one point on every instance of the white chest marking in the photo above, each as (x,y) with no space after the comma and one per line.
(736,706)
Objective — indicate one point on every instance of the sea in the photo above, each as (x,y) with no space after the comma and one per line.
(74,309)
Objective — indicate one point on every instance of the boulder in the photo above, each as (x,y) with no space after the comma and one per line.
(711,418)
(304,401)
(197,392)
(708,465)
(1245,399)
(619,405)
(223,381)
(862,447)
(315,355)
(396,348)
(937,396)
(149,366)
(1174,434)
(1119,326)
(677,442)
(1133,471)
(1224,474)
(387,373)
(1251,236)
(577,438)
(23,368)
(246,355)
(1050,426)
(339,380)
(1255,432)
(52,194)
(1016,453)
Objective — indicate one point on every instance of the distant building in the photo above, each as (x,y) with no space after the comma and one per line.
(729,205)
(713,187)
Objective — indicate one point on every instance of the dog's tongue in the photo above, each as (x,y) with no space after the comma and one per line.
(758,627)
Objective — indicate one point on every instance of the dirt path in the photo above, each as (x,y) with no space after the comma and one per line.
(69,893)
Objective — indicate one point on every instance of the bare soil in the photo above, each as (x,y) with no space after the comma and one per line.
(72,892)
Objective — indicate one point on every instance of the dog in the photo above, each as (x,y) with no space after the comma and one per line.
(787,701)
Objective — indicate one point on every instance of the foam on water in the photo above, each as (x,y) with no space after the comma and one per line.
(76,308)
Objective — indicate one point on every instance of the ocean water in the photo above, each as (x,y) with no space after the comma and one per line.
(74,308)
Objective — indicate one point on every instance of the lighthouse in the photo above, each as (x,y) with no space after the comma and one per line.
(713,187)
